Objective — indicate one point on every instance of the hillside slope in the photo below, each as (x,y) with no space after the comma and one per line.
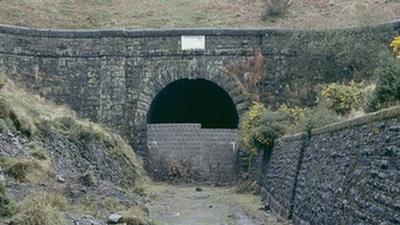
(193,13)
(57,169)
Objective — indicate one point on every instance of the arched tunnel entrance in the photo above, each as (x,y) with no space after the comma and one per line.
(194,101)
(192,133)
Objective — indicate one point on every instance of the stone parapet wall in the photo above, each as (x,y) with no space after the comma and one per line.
(345,173)
(190,153)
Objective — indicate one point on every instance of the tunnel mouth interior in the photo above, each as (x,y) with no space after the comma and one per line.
(194,101)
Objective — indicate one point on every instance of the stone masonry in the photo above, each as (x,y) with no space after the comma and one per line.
(112,76)
(346,173)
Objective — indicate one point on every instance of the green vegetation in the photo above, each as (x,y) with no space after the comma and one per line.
(41,209)
(195,13)
(387,90)
(7,206)
(260,127)
(395,45)
(344,98)
(373,84)
(39,121)
(315,117)
(26,170)
(38,152)
(324,54)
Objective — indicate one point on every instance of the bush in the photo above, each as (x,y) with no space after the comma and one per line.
(41,209)
(344,98)
(293,114)
(260,128)
(316,117)
(395,44)
(276,8)
(387,91)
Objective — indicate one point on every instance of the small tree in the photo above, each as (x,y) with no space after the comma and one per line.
(387,91)
(248,74)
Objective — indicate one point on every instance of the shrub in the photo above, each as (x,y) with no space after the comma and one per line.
(316,117)
(276,8)
(395,44)
(344,98)
(41,209)
(293,114)
(260,128)
(387,91)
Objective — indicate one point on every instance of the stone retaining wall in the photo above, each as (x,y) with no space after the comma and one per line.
(346,173)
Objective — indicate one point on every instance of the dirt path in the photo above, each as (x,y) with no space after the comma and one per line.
(177,205)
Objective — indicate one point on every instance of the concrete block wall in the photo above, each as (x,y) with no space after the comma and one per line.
(345,173)
(190,153)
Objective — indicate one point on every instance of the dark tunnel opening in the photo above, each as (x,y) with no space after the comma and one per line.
(194,101)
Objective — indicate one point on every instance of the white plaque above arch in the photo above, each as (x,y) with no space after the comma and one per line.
(192,42)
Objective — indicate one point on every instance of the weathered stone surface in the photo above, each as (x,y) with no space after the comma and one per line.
(346,173)
(114,219)
(281,174)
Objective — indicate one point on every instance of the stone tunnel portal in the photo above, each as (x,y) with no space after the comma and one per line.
(192,133)
(194,101)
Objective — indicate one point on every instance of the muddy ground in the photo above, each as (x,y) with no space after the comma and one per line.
(183,205)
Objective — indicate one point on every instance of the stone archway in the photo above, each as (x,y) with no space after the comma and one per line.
(205,154)
(160,81)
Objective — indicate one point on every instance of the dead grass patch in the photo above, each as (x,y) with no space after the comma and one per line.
(192,13)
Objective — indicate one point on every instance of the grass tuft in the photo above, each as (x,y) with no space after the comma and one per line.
(41,209)
(39,119)
(26,170)
(7,206)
